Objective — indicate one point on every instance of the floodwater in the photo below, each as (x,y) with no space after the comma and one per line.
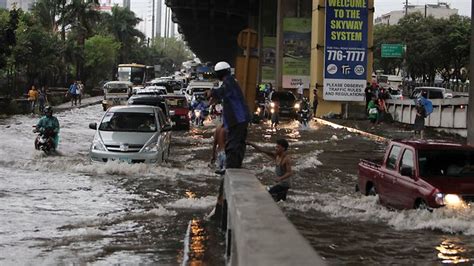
(64,210)
(346,227)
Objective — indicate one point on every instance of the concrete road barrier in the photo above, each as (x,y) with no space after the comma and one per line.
(258,232)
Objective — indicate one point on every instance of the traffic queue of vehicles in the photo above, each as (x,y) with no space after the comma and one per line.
(137,123)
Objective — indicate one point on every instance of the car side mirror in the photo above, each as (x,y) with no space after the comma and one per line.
(167,128)
(93,126)
(407,171)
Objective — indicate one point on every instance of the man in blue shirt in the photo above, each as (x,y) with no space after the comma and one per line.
(236,115)
(73,93)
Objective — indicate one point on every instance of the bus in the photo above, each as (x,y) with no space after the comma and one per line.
(138,74)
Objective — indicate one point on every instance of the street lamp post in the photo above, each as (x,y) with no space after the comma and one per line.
(470,110)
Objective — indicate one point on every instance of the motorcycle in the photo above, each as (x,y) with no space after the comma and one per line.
(259,113)
(197,117)
(304,116)
(45,141)
(304,112)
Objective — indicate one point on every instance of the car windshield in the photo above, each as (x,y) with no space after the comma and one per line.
(283,97)
(175,102)
(449,163)
(116,88)
(395,92)
(128,122)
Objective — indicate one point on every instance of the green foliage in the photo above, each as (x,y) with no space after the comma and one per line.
(100,57)
(121,24)
(169,53)
(62,40)
(4,46)
(434,46)
(35,53)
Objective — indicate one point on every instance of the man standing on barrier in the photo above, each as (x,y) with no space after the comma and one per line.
(236,117)
(235,113)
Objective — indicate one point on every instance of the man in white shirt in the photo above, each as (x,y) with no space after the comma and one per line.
(300,91)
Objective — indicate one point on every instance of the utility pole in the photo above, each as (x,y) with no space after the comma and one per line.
(470,108)
(406,7)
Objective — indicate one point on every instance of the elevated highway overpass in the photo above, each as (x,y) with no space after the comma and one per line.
(210,27)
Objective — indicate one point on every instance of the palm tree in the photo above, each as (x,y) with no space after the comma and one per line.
(121,24)
(81,16)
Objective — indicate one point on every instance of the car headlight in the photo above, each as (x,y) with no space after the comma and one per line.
(152,147)
(97,145)
(272,104)
(448,199)
(452,199)
(297,106)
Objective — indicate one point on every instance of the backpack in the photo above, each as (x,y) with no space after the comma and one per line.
(428,107)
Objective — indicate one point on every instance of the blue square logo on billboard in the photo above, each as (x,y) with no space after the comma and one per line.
(345,51)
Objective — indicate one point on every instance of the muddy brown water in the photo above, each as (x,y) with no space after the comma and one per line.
(64,210)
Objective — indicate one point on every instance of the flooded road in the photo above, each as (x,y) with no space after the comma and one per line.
(63,209)
(346,227)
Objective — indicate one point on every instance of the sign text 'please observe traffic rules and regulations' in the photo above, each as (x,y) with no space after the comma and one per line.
(345,52)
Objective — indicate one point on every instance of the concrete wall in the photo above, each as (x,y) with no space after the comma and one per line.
(258,232)
(448,114)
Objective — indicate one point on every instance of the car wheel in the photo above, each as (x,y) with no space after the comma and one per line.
(372,191)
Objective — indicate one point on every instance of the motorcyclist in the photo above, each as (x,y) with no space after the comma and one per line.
(304,112)
(304,104)
(201,106)
(49,124)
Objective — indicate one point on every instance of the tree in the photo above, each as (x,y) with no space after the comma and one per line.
(100,57)
(172,53)
(434,46)
(386,34)
(81,16)
(4,43)
(121,24)
(35,53)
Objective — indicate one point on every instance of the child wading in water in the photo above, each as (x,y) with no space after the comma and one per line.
(283,169)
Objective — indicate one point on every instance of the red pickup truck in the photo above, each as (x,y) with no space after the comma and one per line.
(420,174)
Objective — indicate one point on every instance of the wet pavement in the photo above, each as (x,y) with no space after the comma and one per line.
(64,210)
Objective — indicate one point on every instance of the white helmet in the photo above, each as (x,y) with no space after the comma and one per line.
(221,66)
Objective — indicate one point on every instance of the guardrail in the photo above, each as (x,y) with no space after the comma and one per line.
(448,115)
(257,231)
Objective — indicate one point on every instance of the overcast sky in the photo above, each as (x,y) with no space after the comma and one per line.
(385,6)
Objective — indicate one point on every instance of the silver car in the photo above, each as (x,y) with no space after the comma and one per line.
(133,134)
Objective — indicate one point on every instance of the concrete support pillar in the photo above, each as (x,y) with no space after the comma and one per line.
(370,41)
(317,60)
(470,110)
(279,47)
